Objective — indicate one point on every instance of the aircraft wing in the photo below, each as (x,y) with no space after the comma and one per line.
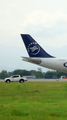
(32,60)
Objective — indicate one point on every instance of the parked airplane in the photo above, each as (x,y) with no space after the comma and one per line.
(39,56)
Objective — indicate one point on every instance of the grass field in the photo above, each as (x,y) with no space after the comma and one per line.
(33,101)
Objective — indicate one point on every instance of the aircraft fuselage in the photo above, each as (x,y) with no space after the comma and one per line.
(54,63)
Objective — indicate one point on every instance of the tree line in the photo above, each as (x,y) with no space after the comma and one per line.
(38,73)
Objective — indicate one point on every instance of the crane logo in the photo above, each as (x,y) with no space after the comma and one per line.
(33,48)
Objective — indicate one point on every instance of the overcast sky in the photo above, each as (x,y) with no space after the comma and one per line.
(44,20)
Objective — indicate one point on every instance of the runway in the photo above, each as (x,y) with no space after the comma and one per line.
(43,80)
(47,80)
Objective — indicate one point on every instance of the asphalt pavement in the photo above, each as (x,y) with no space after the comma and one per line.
(43,80)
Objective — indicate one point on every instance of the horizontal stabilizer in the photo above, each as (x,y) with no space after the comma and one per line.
(31,60)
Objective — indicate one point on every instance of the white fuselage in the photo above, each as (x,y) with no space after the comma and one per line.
(54,63)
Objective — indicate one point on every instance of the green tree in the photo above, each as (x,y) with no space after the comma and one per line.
(3,74)
(59,74)
(50,74)
(40,74)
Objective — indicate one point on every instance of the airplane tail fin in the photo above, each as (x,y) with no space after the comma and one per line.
(33,48)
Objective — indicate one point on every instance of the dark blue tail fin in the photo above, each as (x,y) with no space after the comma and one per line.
(33,48)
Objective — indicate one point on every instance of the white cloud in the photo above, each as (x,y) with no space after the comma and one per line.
(30,17)
(45,19)
(49,25)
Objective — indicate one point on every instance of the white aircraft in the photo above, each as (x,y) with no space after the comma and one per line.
(40,57)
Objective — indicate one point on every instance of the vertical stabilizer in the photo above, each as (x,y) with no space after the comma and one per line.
(33,48)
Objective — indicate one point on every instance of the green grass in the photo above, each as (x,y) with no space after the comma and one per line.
(33,101)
